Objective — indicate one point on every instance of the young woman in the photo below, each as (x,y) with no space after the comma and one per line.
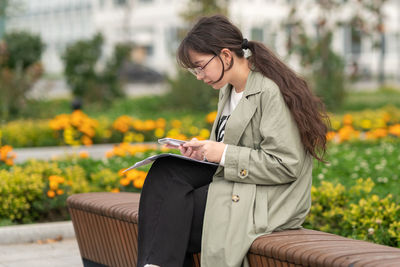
(268,128)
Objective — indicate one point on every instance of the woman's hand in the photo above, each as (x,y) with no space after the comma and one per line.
(188,151)
(201,150)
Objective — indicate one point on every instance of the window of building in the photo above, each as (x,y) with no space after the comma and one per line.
(257,34)
(119,2)
(352,41)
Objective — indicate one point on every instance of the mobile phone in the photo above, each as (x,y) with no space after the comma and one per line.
(171,141)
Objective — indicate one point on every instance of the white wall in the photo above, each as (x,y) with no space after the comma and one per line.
(153,24)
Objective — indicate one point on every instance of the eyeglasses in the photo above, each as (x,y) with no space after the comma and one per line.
(200,70)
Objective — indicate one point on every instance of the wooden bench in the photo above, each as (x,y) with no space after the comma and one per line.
(106,230)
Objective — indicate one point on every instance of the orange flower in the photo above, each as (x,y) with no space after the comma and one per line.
(87,141)
(51,194)
(161,123)
(138,183)
(60,192)
(176,123)
(210,118)
(115,190)
(124,181)
(53,185)
(347,119)
(395,130)
(84,154)
(330,136)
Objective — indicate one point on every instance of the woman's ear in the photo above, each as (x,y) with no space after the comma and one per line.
(226,56)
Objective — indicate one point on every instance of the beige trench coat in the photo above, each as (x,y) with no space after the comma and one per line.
(266,182)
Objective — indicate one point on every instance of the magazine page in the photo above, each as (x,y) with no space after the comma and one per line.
(153,158)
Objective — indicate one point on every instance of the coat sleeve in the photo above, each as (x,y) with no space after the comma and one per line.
(280,155)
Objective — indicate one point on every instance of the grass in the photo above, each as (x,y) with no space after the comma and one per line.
(152,107)
(148,107)
(350,161)
(356,101)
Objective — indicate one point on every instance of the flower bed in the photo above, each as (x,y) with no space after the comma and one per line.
(78,129)
(343,202)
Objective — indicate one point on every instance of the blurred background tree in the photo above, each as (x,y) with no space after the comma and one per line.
(86,79)
(186,91)
(324,67)
(369,20)
(20,68)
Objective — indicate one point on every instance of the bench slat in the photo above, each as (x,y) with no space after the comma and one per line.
(106,230)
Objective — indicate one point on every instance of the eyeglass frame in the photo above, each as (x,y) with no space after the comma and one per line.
(200,70)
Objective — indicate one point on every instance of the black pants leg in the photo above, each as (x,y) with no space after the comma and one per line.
(171,211)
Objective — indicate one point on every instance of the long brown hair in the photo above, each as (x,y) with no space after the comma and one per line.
(211,34)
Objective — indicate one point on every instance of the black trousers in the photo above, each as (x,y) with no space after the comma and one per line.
(171,212)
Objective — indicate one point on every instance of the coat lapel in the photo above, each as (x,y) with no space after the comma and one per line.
(242,114)
(244,111)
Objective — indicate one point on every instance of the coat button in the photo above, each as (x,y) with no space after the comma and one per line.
(235,198)
(243,172)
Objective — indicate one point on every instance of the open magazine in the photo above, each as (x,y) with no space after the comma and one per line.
(153,158)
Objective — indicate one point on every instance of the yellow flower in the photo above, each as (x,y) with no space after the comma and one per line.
(159,133)
(204,133)
(193,130)
(366,124)
(139,138)
(128,137)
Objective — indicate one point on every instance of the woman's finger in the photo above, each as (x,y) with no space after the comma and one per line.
(193,144)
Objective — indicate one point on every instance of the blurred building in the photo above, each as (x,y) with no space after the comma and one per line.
(154,26)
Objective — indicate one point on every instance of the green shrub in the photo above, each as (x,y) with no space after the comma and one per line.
(87,83)
(355,213)
(191,94)
(20,53)
(19,189)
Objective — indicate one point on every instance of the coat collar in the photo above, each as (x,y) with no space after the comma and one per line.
(242,113)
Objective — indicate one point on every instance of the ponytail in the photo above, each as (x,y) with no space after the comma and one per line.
(307,109)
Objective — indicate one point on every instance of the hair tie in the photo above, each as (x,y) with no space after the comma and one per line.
(245,44)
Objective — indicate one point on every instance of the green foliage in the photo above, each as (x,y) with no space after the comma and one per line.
(81,60)
(189,93)
(19,190)
(355,213)
(20,53)
(196,9)
(371,100)
(329,76)
(327,67)
(23,50)
(377,160)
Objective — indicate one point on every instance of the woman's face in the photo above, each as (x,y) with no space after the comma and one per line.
(209,69)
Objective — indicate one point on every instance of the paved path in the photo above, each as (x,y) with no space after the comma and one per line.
(63,253)
(44,153)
